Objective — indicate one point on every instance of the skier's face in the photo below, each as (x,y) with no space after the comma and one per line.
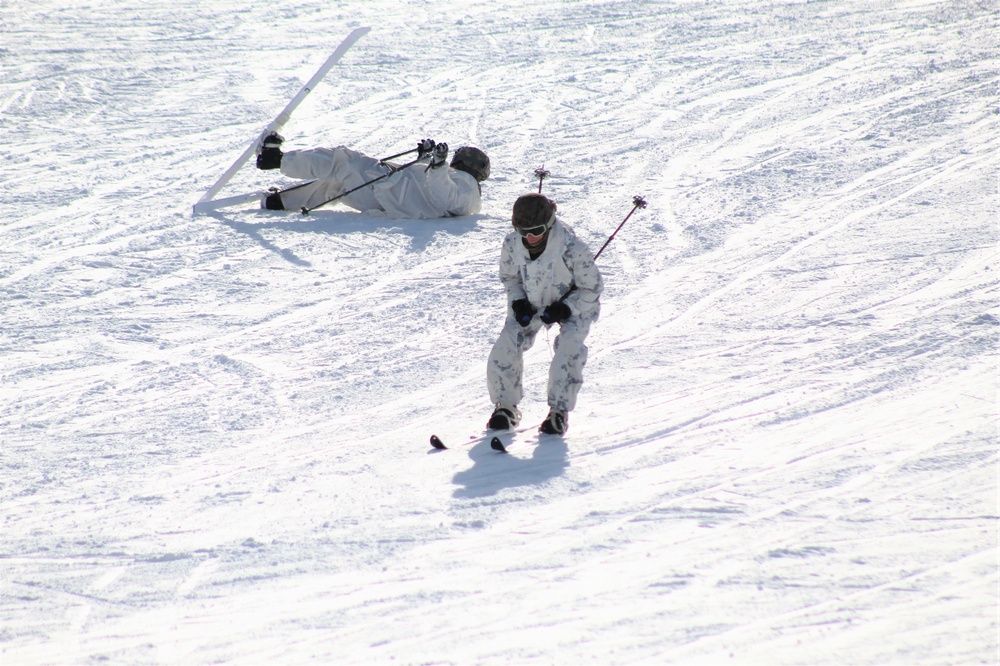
(534,240)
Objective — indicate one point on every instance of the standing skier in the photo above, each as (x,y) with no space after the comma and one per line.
(551,278)
(417,192)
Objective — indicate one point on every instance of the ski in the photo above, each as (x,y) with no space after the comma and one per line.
(495,442)
(206,202)
(216,204)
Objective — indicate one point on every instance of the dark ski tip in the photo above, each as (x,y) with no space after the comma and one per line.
(497,445)
(437,443)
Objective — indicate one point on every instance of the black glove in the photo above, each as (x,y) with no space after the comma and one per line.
(555,313)
(523,311)
(424,147)
(439,155)
(269,156)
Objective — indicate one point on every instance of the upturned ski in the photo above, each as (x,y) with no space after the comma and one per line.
(206,203)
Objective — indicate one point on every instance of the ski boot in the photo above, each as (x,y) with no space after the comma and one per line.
(555,423)
(504,418)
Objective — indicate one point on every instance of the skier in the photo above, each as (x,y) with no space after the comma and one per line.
(550,278)
(417,192)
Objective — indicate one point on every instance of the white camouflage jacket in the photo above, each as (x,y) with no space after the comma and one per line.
(422,193)
(567,262)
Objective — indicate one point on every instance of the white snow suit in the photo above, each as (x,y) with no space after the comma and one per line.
(565,263)
(415,192)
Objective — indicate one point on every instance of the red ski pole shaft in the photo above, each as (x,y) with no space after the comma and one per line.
(638,202)
(541,174)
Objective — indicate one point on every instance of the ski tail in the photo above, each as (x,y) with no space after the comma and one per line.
(225,202)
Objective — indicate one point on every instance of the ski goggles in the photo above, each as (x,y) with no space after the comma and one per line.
(533,231)
(537,230)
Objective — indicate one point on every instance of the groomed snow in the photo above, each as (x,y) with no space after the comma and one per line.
(214,428)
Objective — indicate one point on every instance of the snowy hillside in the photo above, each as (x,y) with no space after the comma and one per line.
(214,428)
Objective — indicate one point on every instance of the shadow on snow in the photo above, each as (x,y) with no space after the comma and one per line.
(331,222)
(492,472)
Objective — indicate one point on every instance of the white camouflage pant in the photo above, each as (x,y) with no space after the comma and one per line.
(349,170)
(506,363)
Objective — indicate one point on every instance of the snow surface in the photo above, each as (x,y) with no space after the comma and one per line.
(214,429)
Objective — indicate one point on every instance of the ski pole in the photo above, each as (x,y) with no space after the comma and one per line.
(638,202)
(306,211)
(541,174)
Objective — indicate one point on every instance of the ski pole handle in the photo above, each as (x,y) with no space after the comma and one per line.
(637,202)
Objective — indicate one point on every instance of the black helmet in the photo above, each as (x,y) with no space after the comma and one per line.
(533,213)
(472,161)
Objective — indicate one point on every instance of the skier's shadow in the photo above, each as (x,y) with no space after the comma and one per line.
(492,472)
(335,222)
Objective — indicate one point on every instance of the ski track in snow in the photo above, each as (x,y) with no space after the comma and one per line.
(214,429)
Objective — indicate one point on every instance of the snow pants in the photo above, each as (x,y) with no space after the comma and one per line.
(505,366)
(333,170)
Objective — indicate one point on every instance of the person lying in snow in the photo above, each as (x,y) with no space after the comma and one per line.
(417,192)
(550,278)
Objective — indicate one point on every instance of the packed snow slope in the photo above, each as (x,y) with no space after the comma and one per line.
(214,428)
